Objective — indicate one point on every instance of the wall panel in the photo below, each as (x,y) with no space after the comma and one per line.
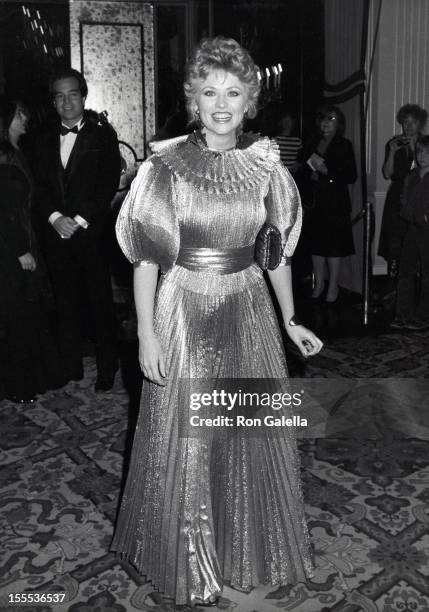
(112,44)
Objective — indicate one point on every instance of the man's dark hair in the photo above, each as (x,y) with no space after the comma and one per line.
(417,112)
(423,141)
(67,73)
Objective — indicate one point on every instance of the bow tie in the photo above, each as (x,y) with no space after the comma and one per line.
(65,130)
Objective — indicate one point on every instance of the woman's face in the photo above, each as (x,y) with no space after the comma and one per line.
(18,125)
(422,156)
(222,101)
(329,125)
(411,126)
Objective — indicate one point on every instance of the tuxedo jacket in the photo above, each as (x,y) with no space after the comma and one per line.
(88,183)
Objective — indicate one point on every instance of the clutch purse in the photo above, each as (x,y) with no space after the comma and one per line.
(268,247)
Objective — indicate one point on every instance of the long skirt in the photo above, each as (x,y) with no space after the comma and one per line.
(199,511)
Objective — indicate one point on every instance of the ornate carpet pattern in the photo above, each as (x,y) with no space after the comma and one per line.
(367,501)
(382,355)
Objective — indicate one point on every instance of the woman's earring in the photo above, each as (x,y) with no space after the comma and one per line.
(197,118)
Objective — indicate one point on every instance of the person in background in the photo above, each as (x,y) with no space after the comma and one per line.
(329,166)
(412,312)
(289,143)
(398,162)
(28,355)
(79,169)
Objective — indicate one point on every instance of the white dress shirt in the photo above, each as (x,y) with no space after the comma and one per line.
(66,146)
(67,142)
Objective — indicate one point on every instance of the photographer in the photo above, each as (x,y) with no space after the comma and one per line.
(398,163)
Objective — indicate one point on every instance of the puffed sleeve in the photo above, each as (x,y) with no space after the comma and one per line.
(147,227)
(283,205)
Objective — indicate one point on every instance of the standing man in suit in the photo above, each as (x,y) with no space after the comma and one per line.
(78,174)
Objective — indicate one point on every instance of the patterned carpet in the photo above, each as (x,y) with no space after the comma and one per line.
(366,491)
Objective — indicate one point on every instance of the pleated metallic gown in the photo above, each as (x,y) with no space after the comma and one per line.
(196,514)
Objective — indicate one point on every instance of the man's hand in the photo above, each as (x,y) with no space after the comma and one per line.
(27,262)
(65,226)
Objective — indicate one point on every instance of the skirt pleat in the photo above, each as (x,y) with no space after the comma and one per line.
(198,511)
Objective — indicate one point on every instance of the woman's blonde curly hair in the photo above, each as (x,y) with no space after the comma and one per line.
(226,54)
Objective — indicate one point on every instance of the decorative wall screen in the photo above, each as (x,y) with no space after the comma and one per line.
(112,44)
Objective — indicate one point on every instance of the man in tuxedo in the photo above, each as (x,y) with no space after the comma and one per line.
(77,177)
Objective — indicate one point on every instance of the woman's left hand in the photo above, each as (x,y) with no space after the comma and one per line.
(307,342)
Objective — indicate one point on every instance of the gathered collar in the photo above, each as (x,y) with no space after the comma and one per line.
(221,172)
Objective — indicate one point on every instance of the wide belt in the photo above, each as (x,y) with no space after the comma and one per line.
(221,261)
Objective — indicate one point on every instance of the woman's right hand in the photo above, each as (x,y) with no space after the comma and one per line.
(151,359)
(27,262)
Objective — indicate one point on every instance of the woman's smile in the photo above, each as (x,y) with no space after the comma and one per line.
(222,117)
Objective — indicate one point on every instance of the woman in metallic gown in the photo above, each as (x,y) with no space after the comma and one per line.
(196,513)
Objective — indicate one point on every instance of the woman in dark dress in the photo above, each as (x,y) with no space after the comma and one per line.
(27,352)
(329,166)
(398,162)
